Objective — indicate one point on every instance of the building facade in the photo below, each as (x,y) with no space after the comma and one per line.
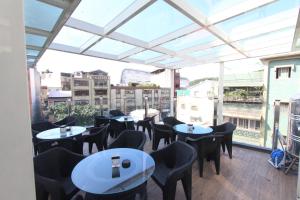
(91,88)
(283,82)
(128,98)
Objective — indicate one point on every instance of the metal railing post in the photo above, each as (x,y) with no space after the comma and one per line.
(276,123)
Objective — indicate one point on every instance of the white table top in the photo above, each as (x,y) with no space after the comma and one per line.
(53,134)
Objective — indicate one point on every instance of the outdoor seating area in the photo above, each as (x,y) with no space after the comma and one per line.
(185,161)
(150,99)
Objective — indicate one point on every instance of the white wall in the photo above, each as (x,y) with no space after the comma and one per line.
(16,167)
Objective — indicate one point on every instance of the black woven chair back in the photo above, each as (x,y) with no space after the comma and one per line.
(98,136)
(70,144)
(100,121)
(116,127)
(172,121)
(56,163)
(68,121)
(42,126)
(224,129)
(130,139)
(116,113)
(206,145)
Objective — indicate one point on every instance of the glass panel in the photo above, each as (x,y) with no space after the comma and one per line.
(35,40)
(196,38)
(41,15)
(281,37)
(215,52)
(100,12)
(157,20)
(210,7)
(30,52)
(145,55)
(170,60)
(75,38)
(111,47)
(273,9)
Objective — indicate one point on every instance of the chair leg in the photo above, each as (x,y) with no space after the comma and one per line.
(200,166)
(290,166)
(137,127)
(149,133)
(90,148)
(155,144)
(223,147)
(217,164)
(187,184)
(229,149)
(169,192)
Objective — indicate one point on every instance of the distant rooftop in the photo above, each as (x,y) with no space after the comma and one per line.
(60,94)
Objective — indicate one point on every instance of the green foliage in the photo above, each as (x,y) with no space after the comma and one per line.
(83,113)
(195,82)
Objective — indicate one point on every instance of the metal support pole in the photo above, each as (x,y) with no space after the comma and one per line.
(276,123)
(220,94)
(146,105)
(172,77)
(101,106)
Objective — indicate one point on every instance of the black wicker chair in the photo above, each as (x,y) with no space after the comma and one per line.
(161,131)
(116,113)
(100,121)
(53,170)
(146,124)
(37,128)
(116,127)
(226,130)
(67,121)
(70,144)
(129,139)
(98,136)
(174,163)
(171,121)
(208,147)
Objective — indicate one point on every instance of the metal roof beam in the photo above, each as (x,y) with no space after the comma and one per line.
(36,31)
(58,3)
(135,8)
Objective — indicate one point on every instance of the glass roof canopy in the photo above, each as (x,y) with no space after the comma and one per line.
(167,34)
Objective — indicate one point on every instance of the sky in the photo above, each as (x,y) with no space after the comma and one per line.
(57,61)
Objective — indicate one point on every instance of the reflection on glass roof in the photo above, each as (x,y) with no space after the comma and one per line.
(75,38)
(210,7)
(218,51)
(41,15)
(155,21)
(145,55)
(100,12)
(259,14)
(35,40)
(170,60)
(111,47)
(196,38)
(30,52)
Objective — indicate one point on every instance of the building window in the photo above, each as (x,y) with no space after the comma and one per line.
(183,106)
(194,108)
(100,92)
(81,102)
(254,125)
(283,72)
(81,93)
(81,83)
(243,123)
(100,83)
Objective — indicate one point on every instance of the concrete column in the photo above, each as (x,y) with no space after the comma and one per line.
(172,76)
(265,102)
(220,94)
(16,168)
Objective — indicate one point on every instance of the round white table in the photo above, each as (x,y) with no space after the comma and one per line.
(54,134)
(94,174)
(185,130)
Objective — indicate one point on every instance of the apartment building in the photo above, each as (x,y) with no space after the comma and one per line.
(88,87)
(129,98)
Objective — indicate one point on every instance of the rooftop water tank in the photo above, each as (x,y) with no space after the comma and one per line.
(293,145)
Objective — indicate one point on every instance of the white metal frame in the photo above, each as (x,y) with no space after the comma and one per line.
(201,22)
